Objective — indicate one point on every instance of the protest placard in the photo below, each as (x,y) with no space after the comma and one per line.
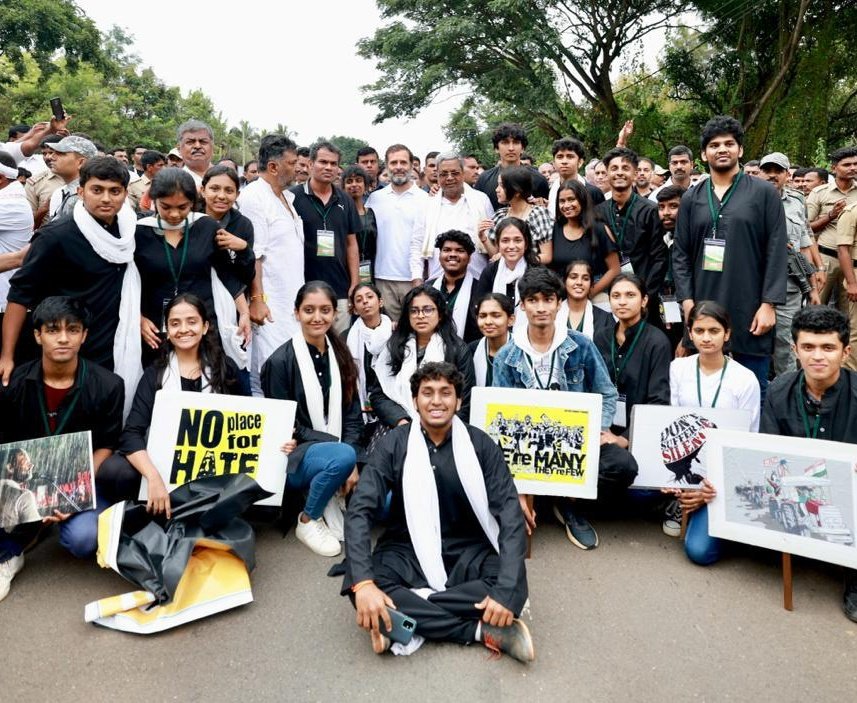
(194,435)
(793,495)
(669,443)
(40,476)
(550,439)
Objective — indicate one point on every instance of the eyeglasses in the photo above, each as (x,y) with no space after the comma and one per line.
(426,311)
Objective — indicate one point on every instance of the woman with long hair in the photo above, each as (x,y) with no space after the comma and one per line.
(367,336)
(637,355)
(495,316)
(578,235)
(177,252)
(709,379)
(190,359)
(425,333)
(577,310)
(515,246)
(315,369)
(355,182)
(514,190)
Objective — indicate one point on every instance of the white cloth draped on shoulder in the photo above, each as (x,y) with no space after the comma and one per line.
(127,342)
(588,318)
(422,510)
(397,387)
(224,304)
(362,339)
(505,275)
(462,302)
(480,362)
(172,379)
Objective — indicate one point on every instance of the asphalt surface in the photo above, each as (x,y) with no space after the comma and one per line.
(631,620)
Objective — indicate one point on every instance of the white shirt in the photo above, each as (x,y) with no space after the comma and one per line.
(16,228)
(196,179)
(35,164)
(68,191)
(740,389)
(400,218)
(14,150)
(278,242)
(443,215)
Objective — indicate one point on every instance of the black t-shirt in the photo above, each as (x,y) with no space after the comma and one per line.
(338,215)
(565,251)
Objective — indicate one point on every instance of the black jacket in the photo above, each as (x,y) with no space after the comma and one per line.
(281,378)
(102,397)
(391,413)
(485,284)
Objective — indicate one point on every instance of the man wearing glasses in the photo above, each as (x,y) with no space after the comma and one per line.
(196,144)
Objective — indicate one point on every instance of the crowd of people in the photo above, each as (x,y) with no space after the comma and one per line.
(377,295)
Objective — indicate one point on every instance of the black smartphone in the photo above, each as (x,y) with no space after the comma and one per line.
(403,627)
(57,109)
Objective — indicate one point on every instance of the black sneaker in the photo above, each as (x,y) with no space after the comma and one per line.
(672,519)
(849,598)
(578,530)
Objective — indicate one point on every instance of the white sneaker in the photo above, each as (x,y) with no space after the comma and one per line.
(316,535)
(8,569)
(334,517)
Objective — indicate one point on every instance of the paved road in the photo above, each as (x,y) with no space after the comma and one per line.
(630,621)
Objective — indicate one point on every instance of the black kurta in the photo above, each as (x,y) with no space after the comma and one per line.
(838,408)
(467,553)
(471,328)
(753,224)
(243,263)
(565,251)
(62,262)
(485,284)
(645,379)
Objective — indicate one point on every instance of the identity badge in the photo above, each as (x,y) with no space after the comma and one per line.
(625,264)
(713,254)
(620,415)
(671,309)
(325,245)
(365,272)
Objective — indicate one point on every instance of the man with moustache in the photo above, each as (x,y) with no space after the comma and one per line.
(680,168)
(195,145)
(730,247)
(367,159)
(669,201)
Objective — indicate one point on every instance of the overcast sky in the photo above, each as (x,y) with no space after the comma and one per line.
(293,63)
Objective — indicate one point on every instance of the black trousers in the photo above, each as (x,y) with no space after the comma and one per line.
(117,480)
(617,469)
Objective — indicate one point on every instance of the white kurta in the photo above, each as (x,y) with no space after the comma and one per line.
(279,244)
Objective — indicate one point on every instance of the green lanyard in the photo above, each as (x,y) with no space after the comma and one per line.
(801,402)
(68,411)
(489,367)
(323,213)
(715,212)
(699,383)
(541,385)
(617,371)
(620,233)
(176,275)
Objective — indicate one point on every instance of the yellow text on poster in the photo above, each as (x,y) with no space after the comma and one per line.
(215,443)
(541,443)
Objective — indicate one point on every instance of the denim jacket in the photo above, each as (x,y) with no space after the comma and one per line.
(584,368)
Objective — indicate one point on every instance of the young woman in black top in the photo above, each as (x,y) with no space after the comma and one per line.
(425,333)
(578,235)
(577,309)
(637,354)
(191,359)
(315,369)
(515,246)
(176,252)
(495,316)
(355,182)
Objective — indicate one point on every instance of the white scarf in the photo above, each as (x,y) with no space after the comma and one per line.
(398,387)
(419,494)
(332,424)
(474,213)
(505,275)
(588,318)
(462,301)
(480,362)
(224,304)
(172,380)
(10,173)
(127,343)
(522,340)
(362,339)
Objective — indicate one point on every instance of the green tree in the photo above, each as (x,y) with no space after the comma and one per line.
(42,29)
(347,145)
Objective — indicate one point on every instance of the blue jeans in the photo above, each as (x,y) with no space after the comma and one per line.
(324,468)
(700,547)
(759,365)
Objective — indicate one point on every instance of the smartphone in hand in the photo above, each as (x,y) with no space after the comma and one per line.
(57,109)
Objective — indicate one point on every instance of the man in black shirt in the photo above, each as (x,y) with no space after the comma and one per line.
(59,393)
(330,224)
(567,160)
(63,261)
(731,246)
(820,401)
(634,223)
(452,555)
(456,285)
(509,141)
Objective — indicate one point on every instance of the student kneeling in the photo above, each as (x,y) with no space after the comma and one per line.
(455,533)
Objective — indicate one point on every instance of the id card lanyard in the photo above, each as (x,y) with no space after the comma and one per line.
(801,402)
(68,411)
(719,385)
(542,386)
(176,274)
(618,369)
(717,212)
(620,232)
